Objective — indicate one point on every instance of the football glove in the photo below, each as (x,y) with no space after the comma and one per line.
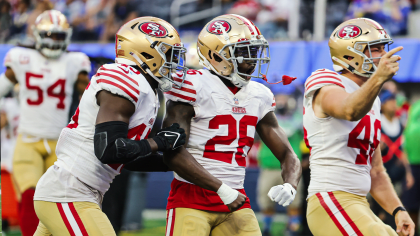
(170,138)
(282,194)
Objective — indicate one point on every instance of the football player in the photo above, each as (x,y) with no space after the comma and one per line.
(110,130)
(47,76)
(342,129)
(220,110)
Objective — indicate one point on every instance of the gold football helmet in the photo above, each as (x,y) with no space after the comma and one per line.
(231,39)
(349,41)
(155,46)
(52,33)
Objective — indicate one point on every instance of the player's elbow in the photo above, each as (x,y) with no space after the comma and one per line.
(352,114)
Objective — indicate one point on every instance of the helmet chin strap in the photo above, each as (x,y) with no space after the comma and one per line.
(164,84)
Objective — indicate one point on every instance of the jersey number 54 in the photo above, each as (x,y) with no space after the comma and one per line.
(61,95)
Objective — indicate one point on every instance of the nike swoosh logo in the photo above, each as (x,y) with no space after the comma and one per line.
(169,135)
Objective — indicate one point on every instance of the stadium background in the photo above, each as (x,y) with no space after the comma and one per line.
(297,29)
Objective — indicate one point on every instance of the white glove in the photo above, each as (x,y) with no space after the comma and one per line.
(227,194)
(282,194)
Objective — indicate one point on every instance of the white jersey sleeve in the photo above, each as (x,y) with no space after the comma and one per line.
(12,59)
(319,79)
(269,102)
(80,61)
(190,90)
(115,79)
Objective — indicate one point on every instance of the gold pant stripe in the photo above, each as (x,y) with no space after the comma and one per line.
(340,217)
(71,219)
(67,219)
(341,213)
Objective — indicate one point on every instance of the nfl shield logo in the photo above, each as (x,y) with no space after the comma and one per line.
(236,101)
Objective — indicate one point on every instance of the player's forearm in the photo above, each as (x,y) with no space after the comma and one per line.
(360,102)
(291,169)
(151,163)
(276,140)
(185,165)
(383,191)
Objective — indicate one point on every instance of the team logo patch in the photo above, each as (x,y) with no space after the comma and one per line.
(215,27)
(23,59)
(151,121)
(236,101)
(239,110)
(349,32)
(153,29)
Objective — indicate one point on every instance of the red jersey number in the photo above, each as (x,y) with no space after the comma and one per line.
(51,91)
(244,139)
(136,132)
(364,144)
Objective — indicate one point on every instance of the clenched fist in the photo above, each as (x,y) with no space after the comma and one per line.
(282,194)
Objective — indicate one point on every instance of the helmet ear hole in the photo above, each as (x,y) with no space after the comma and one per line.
(217,58)
(349,58)
(210,55)
(147,55)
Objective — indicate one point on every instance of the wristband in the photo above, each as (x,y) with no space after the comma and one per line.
(227,194)
(400,208)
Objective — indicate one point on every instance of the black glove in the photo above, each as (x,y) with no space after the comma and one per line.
(170,138)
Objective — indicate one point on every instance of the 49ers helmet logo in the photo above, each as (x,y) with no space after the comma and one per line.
(216,27)
(153,29)
(349,32)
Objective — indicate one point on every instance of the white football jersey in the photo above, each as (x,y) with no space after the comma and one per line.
(46,89)
(340,150)
(75,147)
(222,131)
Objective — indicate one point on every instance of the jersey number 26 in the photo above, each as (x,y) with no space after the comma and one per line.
(244,139)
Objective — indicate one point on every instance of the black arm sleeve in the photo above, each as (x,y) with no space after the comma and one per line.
(151,163)
(111,144)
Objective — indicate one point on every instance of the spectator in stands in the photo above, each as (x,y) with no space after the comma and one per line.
(336,12)
(5,19)
(289,115)
(246,8)
(273,17)
(402,101)
(88,26)
(411,196)
(122,12)
(20,18)
(394,159)
(40,7)
(391,14)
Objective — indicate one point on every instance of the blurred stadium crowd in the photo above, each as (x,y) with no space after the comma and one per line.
(96,21)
